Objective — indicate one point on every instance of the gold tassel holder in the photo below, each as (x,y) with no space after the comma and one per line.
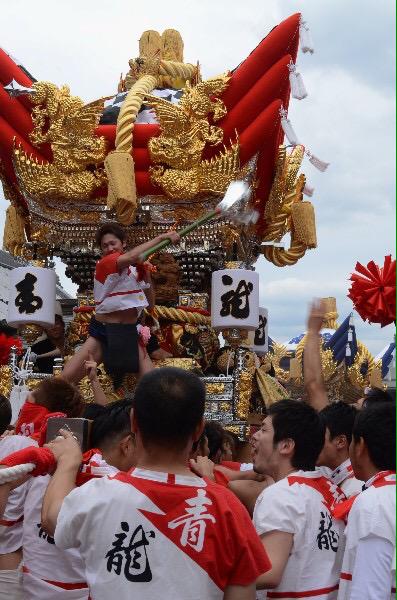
(304,223)
(375,379)
(121,175)
(295,369)
(14,230)
(331,313)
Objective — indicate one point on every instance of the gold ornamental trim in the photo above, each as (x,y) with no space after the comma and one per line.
(179,315)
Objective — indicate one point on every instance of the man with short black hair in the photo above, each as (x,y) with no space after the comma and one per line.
(159,531)
(368,572)
(338,419)
(294,515)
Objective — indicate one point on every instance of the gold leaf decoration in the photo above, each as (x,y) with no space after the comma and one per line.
(68,125)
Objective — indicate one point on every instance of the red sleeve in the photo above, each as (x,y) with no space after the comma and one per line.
(251,557)
(245,557)
(106,266)
(230,464)
(220,478)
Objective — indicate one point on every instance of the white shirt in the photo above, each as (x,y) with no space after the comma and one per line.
(153,535)
(372,517)
(46,567)
(117,290)
(301,504)
(12,521)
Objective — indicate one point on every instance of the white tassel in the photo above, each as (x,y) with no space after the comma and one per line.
(316,162)
(350,335)
(306,41)
(351,320)
(287,128)
(308,190)
(298,89)
(348,351)
(301,87)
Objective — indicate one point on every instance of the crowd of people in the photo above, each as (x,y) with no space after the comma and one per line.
(162,503)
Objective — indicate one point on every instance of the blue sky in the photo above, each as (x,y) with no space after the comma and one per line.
(348,118)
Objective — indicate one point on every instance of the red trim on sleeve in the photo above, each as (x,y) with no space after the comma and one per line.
(346,576)
(61,584)
(306,594)
(106,266)
(6,523)
(126,293)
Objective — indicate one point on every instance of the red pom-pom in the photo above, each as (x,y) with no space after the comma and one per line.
(373,291)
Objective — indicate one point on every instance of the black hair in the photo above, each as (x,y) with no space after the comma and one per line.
(111,425)
(214,432)
(5,413)
(301,423)
(339,417)
(113,228)
(376,426)
(168,406)
(198,445)
(376,395)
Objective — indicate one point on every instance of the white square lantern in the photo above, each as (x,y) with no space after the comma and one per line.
(32,297)
(258,340)
(235,299)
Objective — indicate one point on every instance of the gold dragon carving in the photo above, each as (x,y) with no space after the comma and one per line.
(177,153)
(68,125)
(285,211)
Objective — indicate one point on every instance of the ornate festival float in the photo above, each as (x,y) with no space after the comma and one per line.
(162,153)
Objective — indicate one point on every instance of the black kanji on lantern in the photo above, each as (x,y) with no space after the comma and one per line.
(236,302)
(260,332)
(26,301)
(131,557)
(327,538)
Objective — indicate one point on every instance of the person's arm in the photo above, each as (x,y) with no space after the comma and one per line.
(248,491)
(50,354)
(90,367)
(371,577)
(278,546)
(312,370)
(203,467)
(238,592)
(132,256)
(69,457)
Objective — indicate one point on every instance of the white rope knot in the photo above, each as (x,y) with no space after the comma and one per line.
(13,473)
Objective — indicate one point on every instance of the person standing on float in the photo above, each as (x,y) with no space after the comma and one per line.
(119,300)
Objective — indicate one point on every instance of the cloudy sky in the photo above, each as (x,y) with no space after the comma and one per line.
(348,119)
